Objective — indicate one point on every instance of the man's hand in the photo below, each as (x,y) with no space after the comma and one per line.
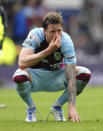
(73,115)
(55,43)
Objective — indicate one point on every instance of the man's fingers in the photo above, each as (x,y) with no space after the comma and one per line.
(74,118)
(77,119)
(54,39)
(69,118)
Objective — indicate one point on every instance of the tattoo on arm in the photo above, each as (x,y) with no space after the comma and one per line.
(71,85)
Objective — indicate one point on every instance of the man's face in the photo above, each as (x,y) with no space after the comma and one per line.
(52,31)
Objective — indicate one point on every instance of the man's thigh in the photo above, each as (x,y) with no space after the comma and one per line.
(51,81)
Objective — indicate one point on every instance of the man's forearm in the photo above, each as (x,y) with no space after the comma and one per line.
(71,76)
(30,60)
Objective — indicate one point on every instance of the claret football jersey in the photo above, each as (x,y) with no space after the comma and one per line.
(36,41)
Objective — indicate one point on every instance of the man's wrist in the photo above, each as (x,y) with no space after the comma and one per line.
(49,50)
(71,106)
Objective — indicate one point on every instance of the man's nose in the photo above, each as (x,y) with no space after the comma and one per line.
(56,33)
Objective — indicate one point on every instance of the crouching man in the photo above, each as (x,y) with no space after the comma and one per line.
(40,68)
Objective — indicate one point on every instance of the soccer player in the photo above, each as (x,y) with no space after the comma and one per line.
(40,68)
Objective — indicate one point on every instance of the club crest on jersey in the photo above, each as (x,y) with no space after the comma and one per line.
(57,55)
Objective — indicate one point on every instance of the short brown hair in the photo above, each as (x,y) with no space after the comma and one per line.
(52,18)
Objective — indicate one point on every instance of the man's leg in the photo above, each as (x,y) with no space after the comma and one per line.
(22,84)
(56,108)
(83,77)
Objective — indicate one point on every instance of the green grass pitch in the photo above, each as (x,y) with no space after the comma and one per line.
(89,106)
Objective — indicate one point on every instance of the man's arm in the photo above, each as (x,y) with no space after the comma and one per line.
(71,85)
(28,58)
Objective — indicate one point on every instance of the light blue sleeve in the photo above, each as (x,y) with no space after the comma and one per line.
(34,38)
(67,49)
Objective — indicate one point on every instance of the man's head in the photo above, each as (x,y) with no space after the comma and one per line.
(52,25)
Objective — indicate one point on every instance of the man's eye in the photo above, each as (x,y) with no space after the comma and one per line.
(52,31)
(59,30)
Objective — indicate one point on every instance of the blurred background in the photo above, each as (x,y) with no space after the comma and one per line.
(83,21)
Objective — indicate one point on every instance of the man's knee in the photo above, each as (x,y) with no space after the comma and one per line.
(20,76)
(84,74)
